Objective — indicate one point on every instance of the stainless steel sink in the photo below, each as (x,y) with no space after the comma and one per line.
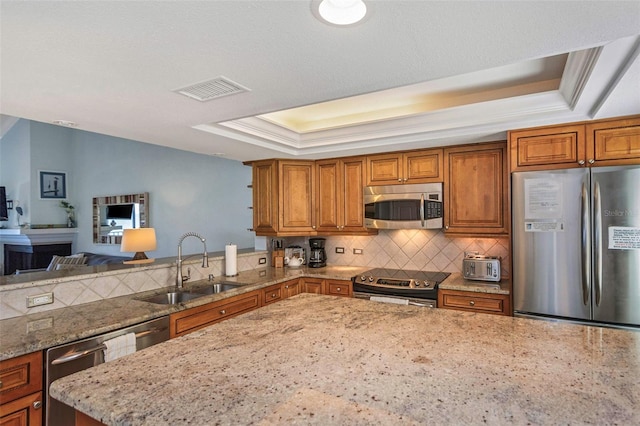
(214,288)
(171,297)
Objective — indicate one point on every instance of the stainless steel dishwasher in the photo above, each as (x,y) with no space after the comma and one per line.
(70,358)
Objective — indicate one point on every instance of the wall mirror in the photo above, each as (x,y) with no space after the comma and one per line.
(113,214)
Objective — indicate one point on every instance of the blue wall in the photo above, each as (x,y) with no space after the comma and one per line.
(187,191)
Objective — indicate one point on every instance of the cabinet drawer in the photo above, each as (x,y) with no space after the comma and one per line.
(193,319)
(20,376)
(272,294)
(477,302)
(339,288)
(23,411)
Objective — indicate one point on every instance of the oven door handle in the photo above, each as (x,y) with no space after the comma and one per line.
(422,305)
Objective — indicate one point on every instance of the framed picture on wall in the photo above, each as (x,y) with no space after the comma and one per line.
(53,185)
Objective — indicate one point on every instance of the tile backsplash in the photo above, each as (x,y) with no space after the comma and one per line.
(87,288)
(413,249)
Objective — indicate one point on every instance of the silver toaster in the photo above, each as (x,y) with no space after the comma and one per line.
(481,268)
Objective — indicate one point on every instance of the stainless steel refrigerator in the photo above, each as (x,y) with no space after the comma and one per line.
(576,244)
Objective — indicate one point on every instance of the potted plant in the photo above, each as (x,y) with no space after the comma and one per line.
(71,217)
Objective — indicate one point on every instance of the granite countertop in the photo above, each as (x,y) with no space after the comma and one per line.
(30,333)
(457,282)
(315,359)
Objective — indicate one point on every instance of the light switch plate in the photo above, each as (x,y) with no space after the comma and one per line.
(40,299)
(339,250)
(357,251)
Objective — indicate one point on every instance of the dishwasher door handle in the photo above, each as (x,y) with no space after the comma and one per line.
(75,355)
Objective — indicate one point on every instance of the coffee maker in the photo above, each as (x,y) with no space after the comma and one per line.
(317,257)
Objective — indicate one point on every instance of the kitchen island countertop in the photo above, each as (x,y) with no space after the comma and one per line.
(315,359)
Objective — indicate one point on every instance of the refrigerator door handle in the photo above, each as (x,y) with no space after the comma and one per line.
(586,264)
(597,238)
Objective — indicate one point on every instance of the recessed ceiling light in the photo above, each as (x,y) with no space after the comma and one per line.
(65,123)
(342,12)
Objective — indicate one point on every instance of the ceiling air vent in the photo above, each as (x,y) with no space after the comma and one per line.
(212,89)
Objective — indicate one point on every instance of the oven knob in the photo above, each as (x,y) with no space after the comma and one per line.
(370,279)
(426,283)
(417,284)
(362,278)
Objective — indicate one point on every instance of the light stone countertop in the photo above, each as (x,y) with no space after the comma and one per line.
(34,332)
(457,282)
(30,333)
(315,359)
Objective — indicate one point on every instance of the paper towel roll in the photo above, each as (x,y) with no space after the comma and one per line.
(230,260)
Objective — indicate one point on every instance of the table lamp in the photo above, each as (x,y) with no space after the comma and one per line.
(138,240)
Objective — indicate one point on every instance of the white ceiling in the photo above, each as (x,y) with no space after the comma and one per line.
(476,69)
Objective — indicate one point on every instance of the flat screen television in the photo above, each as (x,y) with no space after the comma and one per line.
(119,211)
(4,214)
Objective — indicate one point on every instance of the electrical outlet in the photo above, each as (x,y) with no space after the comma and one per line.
(40,299)
(357,251)
(339,250)
(262,261)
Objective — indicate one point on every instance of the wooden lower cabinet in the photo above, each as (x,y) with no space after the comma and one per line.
(21,391)
(312,285)
(488,303)
(339,288)
(185,322)
(330,287)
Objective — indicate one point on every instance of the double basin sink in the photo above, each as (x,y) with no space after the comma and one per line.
(175,297)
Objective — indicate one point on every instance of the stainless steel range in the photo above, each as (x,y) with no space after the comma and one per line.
(418,288)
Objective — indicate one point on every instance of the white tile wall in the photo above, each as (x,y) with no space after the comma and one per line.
(412,249)
(112,284)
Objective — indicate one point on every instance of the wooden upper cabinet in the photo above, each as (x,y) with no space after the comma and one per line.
(339,196)
(296,190)
(614,142)
(265,197)
(475,187)
(408,167)
(547,148)
(283,192)
(591,144)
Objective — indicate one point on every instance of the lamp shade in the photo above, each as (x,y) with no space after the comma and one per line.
(138,240)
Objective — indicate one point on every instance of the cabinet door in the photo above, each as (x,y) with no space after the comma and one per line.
(328,195)
(423,166)
(272,294)
(313,285)
(265,197)
(290,288)
(25,411)
(296,185)
(385,169)
(548,148)
(615,142)
(351,191)
(20,376)
(476,199)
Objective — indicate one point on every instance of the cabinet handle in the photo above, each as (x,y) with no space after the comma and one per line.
(399,179)
(0,384)
(338,226)
(591,161)
(405,179)
(37,404)
(446,227)
(222,312)
(581,162)
(273,296)
(313,227)
(286,286)
(338,289)
(472,303)
(250,229)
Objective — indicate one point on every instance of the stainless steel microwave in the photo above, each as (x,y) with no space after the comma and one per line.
(414,206)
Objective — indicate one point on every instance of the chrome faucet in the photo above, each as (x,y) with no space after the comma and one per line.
(205,258)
